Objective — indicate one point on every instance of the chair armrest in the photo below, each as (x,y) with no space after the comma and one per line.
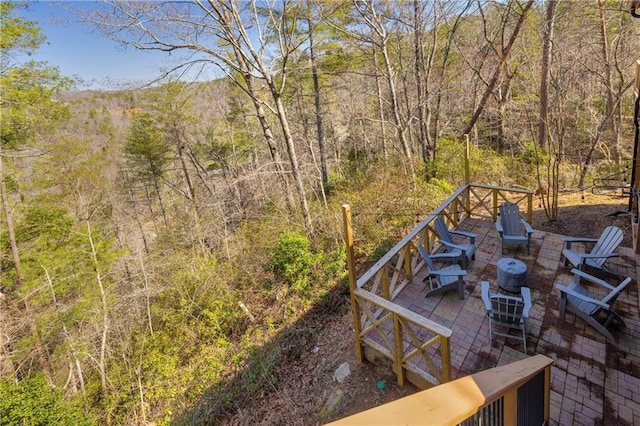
(568,291)
(499,226)
(568,240)
(450,257)
(485,294)
(595,280)
(579,240)
(466,234)
(599,256)
(527,227)
(454,246)
(526,298)
(596,256)
(449,273)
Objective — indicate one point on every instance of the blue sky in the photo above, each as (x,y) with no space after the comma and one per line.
(77,51)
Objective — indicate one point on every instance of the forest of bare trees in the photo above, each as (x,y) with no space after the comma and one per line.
(154,240)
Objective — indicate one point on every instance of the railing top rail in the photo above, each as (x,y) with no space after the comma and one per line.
(494,382)
(406,313)
(502,188)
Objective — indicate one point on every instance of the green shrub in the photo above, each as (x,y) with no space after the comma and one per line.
(534,154)
(292,260)
(34,402)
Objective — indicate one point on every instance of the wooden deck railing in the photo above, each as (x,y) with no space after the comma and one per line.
(414,342)
(517,393)
(426,344)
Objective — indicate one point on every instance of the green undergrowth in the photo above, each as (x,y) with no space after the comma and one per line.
(219,326)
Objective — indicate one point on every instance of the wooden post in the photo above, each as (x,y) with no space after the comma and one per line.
(547,392)
(408,270)
(348,237)
(467,177)
(445,353)
(384,282)
(635,173)
(511,407)
(530,209)
(398,350)
(495,204)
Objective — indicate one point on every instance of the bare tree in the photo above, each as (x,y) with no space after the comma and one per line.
(608,81)
(549,190)
(418,22)
(545,71)
(235,36)
(503,55)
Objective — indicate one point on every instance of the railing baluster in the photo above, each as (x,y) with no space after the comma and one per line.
(385,282)
(399,349)
(445,352)
(407,263)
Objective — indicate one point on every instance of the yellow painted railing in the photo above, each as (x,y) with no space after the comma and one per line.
(517,393)
(408,339)
(382,326)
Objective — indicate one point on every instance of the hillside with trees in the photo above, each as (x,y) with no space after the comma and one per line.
(166,250)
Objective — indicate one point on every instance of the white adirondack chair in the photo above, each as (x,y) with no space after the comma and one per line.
(507,312)
(604,248)
(466,251)
(444,279)
(596,310)
(512,228)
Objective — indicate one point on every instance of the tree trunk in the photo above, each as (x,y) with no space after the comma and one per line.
(419,75)
(445,58)
(545,73)
(395,107)
(383,130)
(10,229)
(293,158)
(316,98)
(74,362)
(496,74)
(268,136)
(102,363)
(615,133)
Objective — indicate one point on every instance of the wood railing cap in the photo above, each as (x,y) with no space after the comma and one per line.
(453,402)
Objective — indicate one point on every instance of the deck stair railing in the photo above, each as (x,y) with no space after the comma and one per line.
(512,394)
(418,348)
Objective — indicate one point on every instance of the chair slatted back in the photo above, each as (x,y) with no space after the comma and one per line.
(608,242)
(442,230)
(506,310)
(510,218)
(427,259)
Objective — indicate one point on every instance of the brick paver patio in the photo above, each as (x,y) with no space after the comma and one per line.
(593,381)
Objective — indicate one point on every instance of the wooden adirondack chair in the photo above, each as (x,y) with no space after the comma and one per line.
(595,310)
(507,311)
(444,279)
(604,248)
(466,252)
(509,227)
